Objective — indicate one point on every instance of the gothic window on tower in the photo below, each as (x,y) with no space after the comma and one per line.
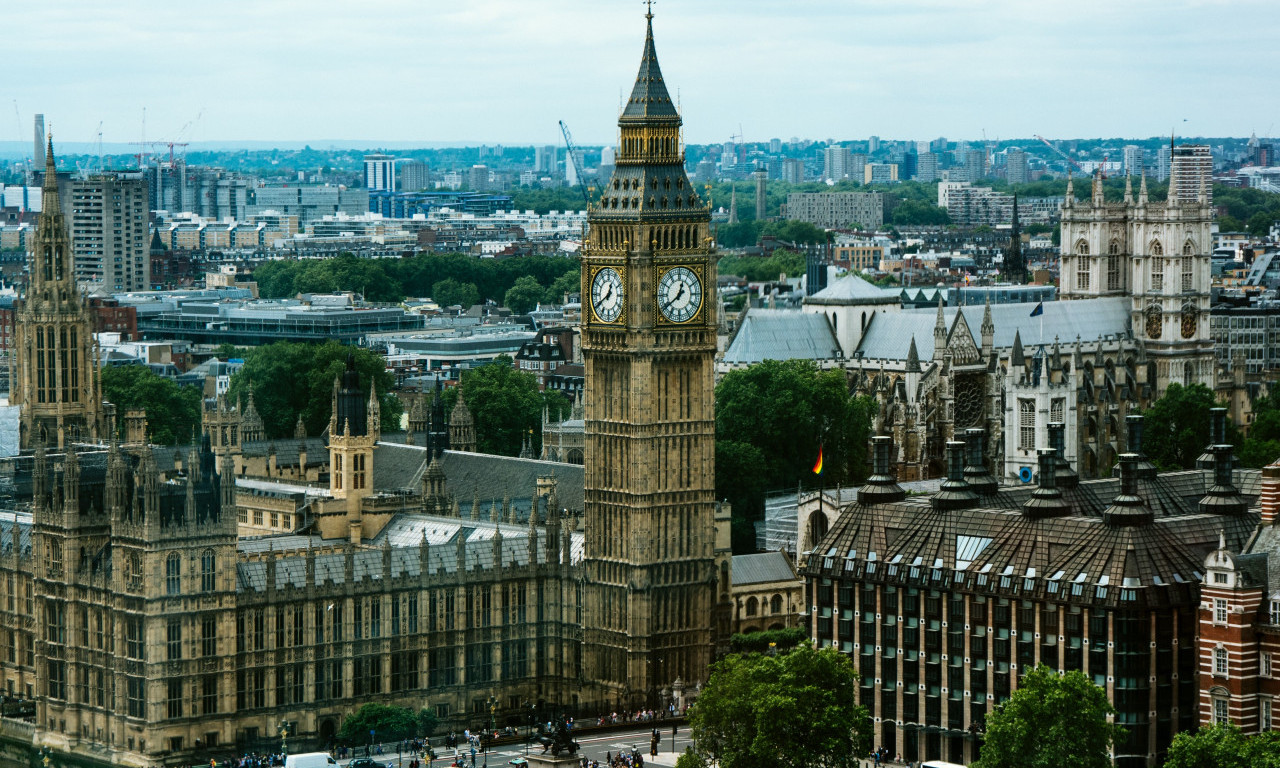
(1082,271)
(1026,425)
(1157,273)
(173,575)
(1082,248)
(1113,269)
(208,571)
(1188,273)
(1056,409)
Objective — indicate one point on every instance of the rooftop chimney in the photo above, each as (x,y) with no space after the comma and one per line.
(1067,477)
(1133,427)
(1046,500)
(1217,436)
(1222,498)
(975,472)
(1128,508)
(881,486)
(955,492)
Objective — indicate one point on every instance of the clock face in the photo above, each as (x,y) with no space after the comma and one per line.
(606,295)
(679,294)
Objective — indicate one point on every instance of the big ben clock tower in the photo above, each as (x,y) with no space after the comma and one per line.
(648,345)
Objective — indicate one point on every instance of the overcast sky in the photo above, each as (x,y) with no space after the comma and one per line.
(507,70)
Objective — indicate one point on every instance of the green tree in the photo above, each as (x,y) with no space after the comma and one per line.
(1175,428)
(291,379)
(1051,721)
(796,709)
(388,723)
(173,411)
(451,291)
(1224,746)
(919,213)
(427,721)
(569,282)
(507,406)
(786,410)
(524,295)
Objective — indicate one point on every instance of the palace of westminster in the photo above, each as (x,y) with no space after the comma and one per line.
(161,604)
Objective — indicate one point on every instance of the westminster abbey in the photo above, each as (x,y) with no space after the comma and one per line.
(167,604)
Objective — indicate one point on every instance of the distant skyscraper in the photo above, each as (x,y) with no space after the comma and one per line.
(1192,169)
(705,172)
(975,164)
(412,175)
(545,158)
(479,179)
(1164,159)
(1135,160)
(927,167)
(873,144)
(775,146)
(1016,166)
(836,162)
(380,172)
(37,155)
(793,170)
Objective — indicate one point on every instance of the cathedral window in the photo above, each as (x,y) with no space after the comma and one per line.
(752,606)
(1056,409)
(1188,274)
(208,571)
(1113,270)
(55,628)
(1188,249)
(134,647)
(53,558)
(357,471)
(57,674)
(209,695)
(135,696)
(1026,425)
(1082,248)
(173,575)
(1082,273)
(775,605)
(1157,273)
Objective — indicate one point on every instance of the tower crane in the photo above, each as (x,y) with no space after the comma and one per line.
(573,158)
(1060,153)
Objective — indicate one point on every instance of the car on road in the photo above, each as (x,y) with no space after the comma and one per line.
(366,762)
(518,762)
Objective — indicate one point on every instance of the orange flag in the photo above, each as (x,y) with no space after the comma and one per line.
(817,465)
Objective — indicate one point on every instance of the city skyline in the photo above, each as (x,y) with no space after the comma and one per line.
(427,75)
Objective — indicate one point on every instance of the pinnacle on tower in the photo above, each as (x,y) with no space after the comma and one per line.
(913,357)
(49,190)
(649,97)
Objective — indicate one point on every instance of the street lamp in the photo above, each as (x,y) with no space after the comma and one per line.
(284,733)
(493,707)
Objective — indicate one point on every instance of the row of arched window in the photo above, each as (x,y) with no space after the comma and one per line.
(754,605)
(1155,249)
(173,573)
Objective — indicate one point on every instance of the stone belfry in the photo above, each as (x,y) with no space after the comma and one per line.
(648,344)
(55,377)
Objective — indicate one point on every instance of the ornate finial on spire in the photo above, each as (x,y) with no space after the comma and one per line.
(1142,189)
(648,14)
(913,357)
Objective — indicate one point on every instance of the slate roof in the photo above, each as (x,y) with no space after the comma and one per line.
(1077,558)
(890,334)
(762,568)
(852,289)
(22,520)
(488,477)
(782,334)
(649,97)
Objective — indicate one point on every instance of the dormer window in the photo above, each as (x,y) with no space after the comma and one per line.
(1219,578)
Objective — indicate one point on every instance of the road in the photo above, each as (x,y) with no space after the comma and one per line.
(596,746)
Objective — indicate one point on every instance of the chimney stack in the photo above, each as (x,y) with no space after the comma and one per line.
(1128,508)
(1046,500)
(881,486)
(1133,428)
(1217,436)
(980,480)
(1222,498)
(1067,477)
(1270,499)
(955,492)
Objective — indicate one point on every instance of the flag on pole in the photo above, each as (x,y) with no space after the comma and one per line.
(817,465)
(1039,310)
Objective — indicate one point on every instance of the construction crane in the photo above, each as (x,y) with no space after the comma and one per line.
(573,158)
(144,144)
(1060,153)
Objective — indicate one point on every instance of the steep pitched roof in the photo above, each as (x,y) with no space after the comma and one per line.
(782,334)
(649,97)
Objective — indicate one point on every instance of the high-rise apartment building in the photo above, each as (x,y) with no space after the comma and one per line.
(834,210)
(1016,166)
(110,218)
(880,173)
(1164,160)
(1135,160)
(793,170)
(37,154)
(1191,173)
(927,167)
(775,146)
(836,162)
(545,158)
(412,175)
(380,172)
(761,177)
(479,178)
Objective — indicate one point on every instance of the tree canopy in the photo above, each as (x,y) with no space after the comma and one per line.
(1051,721)
(523,296)
(292,378)
(1224,746)
(771,419)
(759,269)
(173,411)
(918,213)
(1262,446)
(451,291)
(506,406)
(1175,429)
(388,723)
(795,709)
(391,280)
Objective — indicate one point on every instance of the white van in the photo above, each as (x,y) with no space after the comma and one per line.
(939,764)
(309,760)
